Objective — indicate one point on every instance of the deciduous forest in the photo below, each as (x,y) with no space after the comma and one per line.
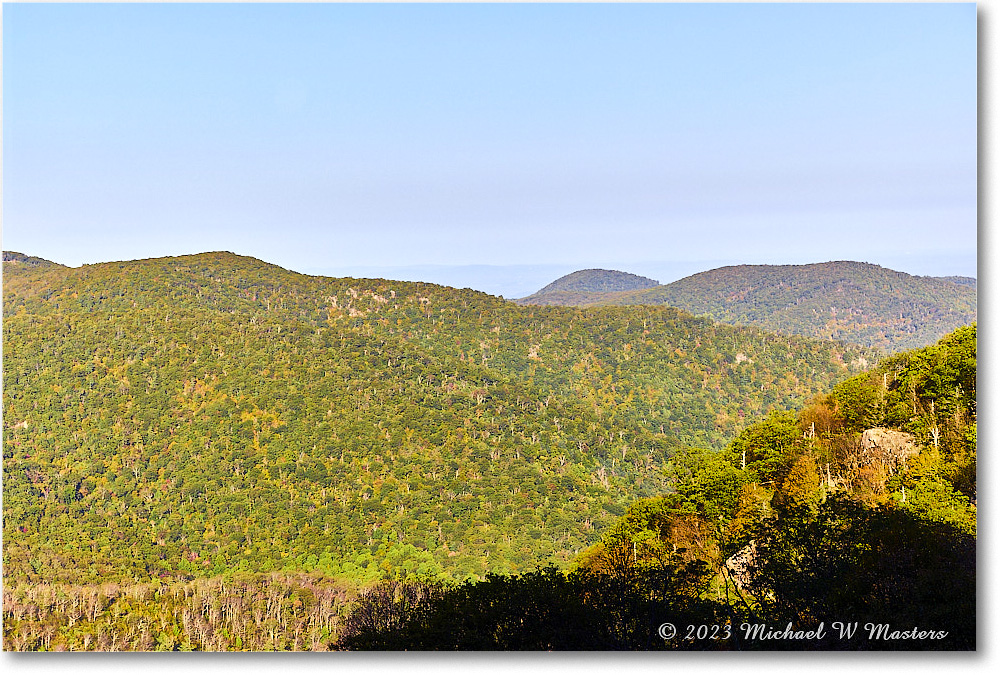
(855,302)
(211,452)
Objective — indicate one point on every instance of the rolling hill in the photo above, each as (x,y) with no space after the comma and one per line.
(599,281)
(855,302)
(588,287)
(190,416)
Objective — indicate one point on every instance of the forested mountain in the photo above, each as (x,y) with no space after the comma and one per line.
(850,301)
(585,285)
(202,414)
(210,452)
(964,281)
(860,504)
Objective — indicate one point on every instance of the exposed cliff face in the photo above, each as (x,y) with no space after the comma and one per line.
(887,448)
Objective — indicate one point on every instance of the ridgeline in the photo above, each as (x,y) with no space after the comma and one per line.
(854,302)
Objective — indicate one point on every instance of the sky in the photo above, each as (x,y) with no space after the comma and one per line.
(493,143)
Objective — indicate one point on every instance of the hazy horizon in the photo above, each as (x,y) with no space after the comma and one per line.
(518,281)
(514,140)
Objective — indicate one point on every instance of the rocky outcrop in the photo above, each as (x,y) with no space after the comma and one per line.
(741,564)
(887,448)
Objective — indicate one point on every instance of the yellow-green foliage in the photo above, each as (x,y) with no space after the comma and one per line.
(792,476)
(188,416)
(855,302)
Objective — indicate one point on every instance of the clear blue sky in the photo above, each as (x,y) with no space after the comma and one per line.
(321,137)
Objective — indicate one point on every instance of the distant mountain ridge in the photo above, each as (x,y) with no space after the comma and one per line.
(850,301)
(588,287)
(600,281)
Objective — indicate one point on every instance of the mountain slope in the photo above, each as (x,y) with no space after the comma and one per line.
(964,281)
(20,259)
(850,301)
(600,281)
(584,284)
(863,501)
(199,414)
